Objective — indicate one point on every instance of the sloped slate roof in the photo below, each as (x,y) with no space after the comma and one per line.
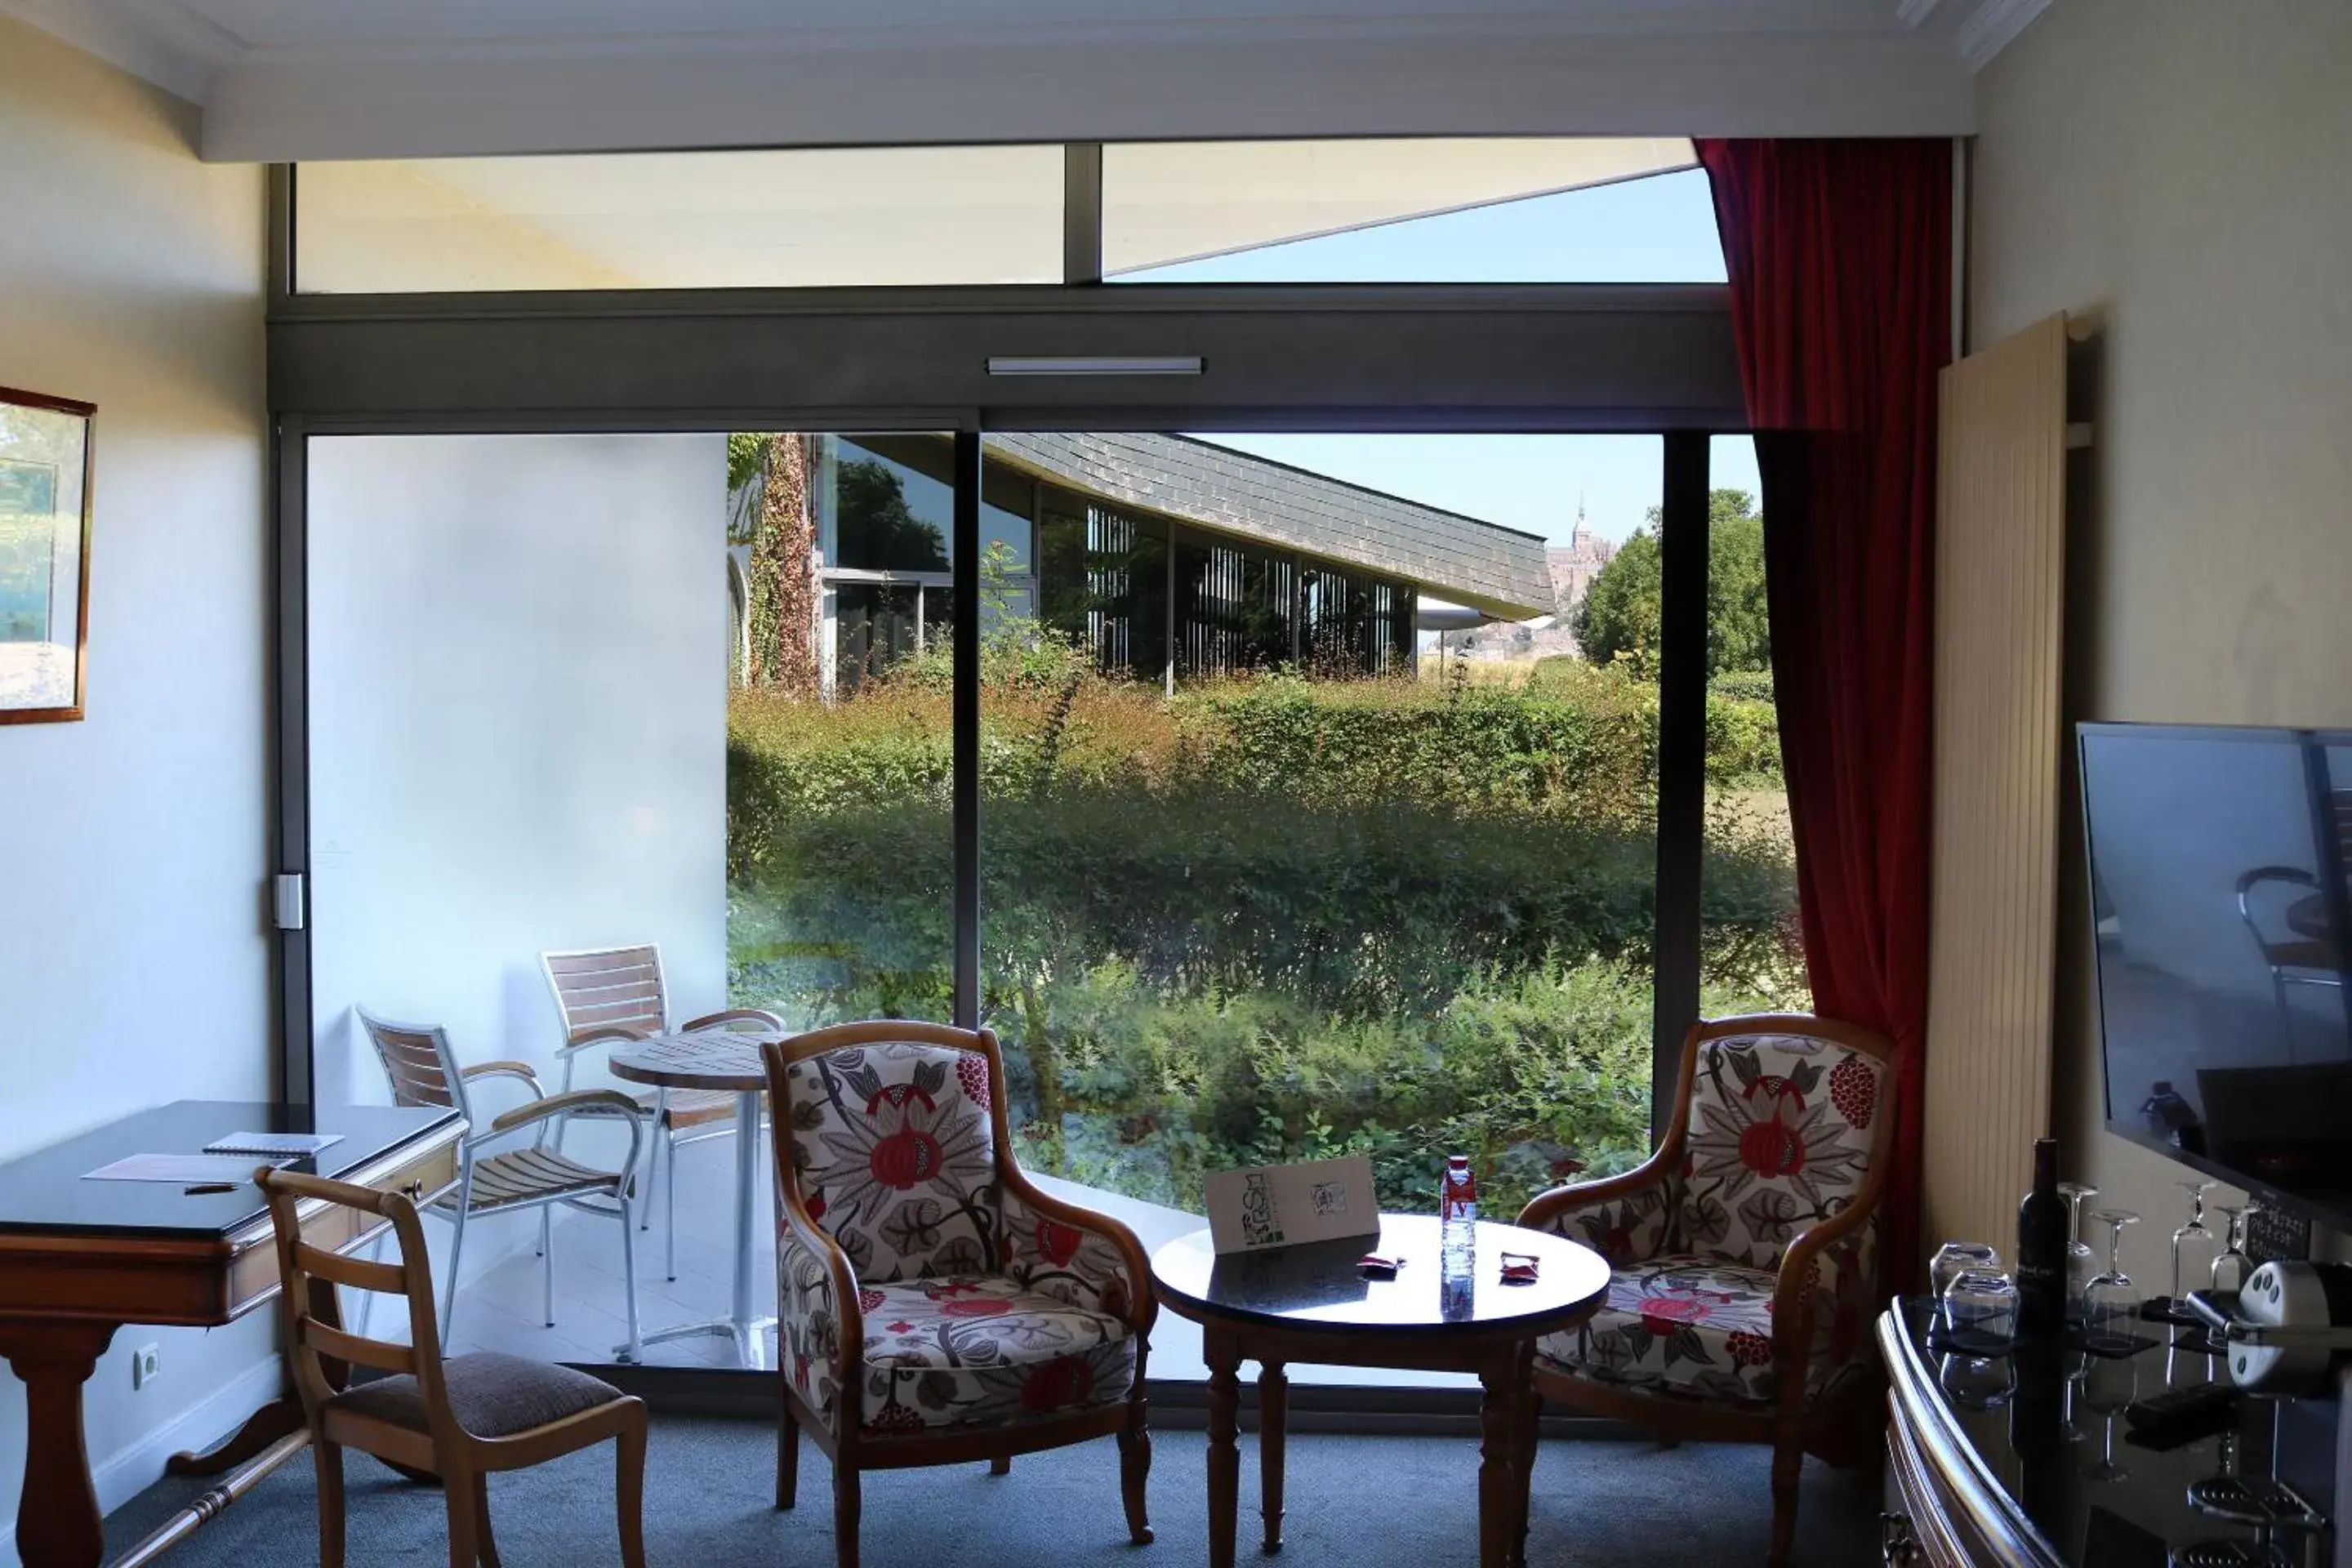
(1499,570)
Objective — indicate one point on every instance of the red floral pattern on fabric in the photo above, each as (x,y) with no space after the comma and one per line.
(903,1154)
(975,1306)
(1778,1142)
(983,1349)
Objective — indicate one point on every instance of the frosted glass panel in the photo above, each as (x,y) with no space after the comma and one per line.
(682,220)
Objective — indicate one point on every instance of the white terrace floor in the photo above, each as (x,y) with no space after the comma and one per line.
(501,1310)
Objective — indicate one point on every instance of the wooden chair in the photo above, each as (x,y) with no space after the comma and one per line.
(1743,1252)
(458,1419)
(933,1306)
(606,995)
(424,1071)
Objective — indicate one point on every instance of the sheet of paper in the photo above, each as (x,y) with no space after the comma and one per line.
(186,1169)
(283,1144)
(1282,1205)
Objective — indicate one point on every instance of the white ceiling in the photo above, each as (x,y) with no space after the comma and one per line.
(319,79)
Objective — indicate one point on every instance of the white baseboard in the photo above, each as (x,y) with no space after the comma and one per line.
(125,1473)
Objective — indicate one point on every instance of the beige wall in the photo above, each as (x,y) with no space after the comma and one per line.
(2182,172)
(133,966)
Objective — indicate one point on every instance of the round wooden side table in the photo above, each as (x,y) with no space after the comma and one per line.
(1312,1303)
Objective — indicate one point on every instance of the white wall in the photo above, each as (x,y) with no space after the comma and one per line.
(2179,171)
(133,963)
(517,734)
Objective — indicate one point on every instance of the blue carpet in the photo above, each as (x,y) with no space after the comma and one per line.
(1357,1501)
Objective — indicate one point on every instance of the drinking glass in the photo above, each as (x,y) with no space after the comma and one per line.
(2231,1265)
(1977,1382)
(2080,1261)
(1982,1304)
(2192,1243)
(2108,1389)
(1953,1260)
(2110,1300)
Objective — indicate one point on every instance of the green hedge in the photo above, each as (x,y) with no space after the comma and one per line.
(1274,918)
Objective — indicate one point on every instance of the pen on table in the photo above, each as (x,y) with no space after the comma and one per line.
(200,1188)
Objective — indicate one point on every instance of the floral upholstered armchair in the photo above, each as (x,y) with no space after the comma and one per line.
(932,1305)
(1742,1254)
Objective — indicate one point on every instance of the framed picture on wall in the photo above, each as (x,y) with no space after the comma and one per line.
(45,470)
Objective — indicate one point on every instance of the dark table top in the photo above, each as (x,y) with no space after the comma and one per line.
(45,1192)
(2058,1445)
(1316,1285)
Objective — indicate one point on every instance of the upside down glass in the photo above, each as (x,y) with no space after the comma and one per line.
(2080,1261)
(1953,1260)
(2232,1266)
(1981,1303)
(2110,1300)
(2193,1248)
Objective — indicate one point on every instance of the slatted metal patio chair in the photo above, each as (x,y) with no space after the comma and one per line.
(610,995)
(499,1172)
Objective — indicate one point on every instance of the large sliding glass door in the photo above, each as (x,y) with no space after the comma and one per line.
(1260,788)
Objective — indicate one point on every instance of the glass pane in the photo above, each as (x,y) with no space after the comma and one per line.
(795,219)
(1519,210)
(1340,891)
(888,505)
(519,744)
(1104,585)
(1753,952)
(840,747)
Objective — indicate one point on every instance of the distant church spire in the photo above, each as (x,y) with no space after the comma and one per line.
(1577,537)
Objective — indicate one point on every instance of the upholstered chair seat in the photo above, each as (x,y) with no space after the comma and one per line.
(1743,1253)
(491,1394)
(963,1348)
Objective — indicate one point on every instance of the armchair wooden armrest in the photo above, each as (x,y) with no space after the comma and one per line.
(757,1016)
(1104,1263)
(815,1275)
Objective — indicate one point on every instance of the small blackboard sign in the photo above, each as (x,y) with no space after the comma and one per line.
(2272,1235)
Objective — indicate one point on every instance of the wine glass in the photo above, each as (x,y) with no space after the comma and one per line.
(2192,1241)
(2231,1265)
(2108,1389)
(2110,1299)
(2080,1261)
(1953,1260)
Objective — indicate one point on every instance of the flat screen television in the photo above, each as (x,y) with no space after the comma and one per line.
(2219,908)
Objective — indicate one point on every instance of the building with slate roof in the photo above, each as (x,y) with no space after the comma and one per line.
(1169,558)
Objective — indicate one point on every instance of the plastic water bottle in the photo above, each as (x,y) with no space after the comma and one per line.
(1457,1217)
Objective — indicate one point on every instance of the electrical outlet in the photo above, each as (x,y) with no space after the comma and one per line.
(146,1362)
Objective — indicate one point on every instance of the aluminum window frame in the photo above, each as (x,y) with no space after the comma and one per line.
(1326,358)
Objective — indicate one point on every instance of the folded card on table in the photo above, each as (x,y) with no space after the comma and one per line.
(1281,1205)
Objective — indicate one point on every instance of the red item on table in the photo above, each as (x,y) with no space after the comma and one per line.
(1374,1263)
(1519,1267)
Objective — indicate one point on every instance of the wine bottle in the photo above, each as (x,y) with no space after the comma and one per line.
(2041,1249)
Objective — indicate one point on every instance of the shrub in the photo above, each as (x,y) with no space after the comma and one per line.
(1268,920)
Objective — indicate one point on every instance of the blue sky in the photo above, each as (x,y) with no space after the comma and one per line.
(1657,230)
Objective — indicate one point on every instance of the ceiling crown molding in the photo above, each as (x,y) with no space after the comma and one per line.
(158,40)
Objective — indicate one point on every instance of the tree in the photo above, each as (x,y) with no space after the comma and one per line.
(1624,612)
(770,473)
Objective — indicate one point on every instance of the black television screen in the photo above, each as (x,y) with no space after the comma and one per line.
(2220,906)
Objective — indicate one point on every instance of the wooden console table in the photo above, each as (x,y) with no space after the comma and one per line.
(80,1258)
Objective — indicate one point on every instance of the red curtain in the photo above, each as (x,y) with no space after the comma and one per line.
(1839,258)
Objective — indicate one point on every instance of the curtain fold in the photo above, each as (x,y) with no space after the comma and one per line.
(1839,254)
